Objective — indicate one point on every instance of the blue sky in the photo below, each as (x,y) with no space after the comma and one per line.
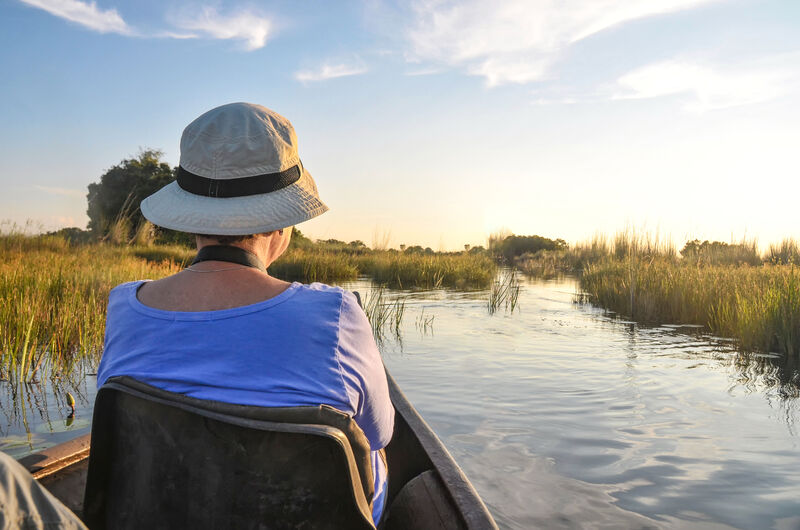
(429,122)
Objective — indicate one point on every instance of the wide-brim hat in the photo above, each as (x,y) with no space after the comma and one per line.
(239,174)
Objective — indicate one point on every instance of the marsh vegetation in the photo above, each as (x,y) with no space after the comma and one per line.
(54,288)
(729,288)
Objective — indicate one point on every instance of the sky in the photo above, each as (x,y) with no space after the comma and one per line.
(430,122)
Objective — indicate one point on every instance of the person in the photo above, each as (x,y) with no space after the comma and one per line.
(223,328)
(26,504)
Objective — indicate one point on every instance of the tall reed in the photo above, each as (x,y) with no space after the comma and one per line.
(504,292)
(53,295)
(405,270)
(384,314)
(53,299)
(759,306)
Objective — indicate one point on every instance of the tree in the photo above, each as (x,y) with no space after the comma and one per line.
(299,240)
(513,246)
(123,187)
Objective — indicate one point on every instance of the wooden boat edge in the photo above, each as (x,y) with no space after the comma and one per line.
(461,491)
(48,461)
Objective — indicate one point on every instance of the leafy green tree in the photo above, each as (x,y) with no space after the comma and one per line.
(299,240)
(123,187)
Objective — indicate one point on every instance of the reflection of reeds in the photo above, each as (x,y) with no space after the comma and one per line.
(504,292)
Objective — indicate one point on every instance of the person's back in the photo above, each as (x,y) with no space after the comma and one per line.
(223,329)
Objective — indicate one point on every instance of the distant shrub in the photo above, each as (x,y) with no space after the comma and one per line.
(513,246)
(719,253)
(73,235)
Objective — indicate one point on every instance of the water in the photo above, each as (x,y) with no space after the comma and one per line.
(564,416)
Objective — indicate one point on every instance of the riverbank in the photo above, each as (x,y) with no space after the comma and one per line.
(729,288)
(758,306)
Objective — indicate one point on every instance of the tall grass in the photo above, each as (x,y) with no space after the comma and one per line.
(384,314)
(405,270)
(314,266)
(53,294)
(53,299)
(759,306)
(504,292)
(785,252)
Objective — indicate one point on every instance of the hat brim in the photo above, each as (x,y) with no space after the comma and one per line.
(175,208)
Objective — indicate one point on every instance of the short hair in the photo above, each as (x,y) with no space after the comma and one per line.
(228,240)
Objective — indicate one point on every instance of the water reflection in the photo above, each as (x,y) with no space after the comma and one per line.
(565,416)
(35,415)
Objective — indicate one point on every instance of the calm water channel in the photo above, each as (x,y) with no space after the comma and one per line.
(564,416)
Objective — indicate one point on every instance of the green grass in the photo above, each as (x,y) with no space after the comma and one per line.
(504,292)
(727,287)
(53,300)
(759,306)
(405,270)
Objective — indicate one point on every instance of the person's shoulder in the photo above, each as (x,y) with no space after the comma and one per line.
(125,288)
(330,293)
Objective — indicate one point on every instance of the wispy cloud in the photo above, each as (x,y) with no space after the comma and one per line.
(330,70)
(709,87)
(85,14)
(517,41)
(249,27)
(66,192)
(246,26)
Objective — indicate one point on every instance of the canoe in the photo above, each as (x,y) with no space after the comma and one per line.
(427,488)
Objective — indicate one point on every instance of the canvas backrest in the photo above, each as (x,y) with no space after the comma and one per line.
(165,460)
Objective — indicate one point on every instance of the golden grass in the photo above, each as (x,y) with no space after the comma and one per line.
(759,306)
(53,300)
(405,270)
(53,295)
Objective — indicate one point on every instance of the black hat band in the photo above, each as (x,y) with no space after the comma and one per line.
(240,187)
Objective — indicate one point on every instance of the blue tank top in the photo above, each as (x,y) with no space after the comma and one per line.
(309,345)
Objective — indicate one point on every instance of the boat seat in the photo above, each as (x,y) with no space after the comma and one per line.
(166,460)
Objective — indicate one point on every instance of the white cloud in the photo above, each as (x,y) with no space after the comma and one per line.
(708,88)
(85,14)
(246,26)
(330,71)
(517,41)
(61,191)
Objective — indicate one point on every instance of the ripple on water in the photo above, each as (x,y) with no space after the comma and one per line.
(581,420)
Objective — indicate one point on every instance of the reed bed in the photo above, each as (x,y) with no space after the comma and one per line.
(552,263)
(404,270)
(758,306)
(308,265)
(53,295)
(53,299)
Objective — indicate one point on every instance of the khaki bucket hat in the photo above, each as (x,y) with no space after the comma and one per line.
(239,174)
